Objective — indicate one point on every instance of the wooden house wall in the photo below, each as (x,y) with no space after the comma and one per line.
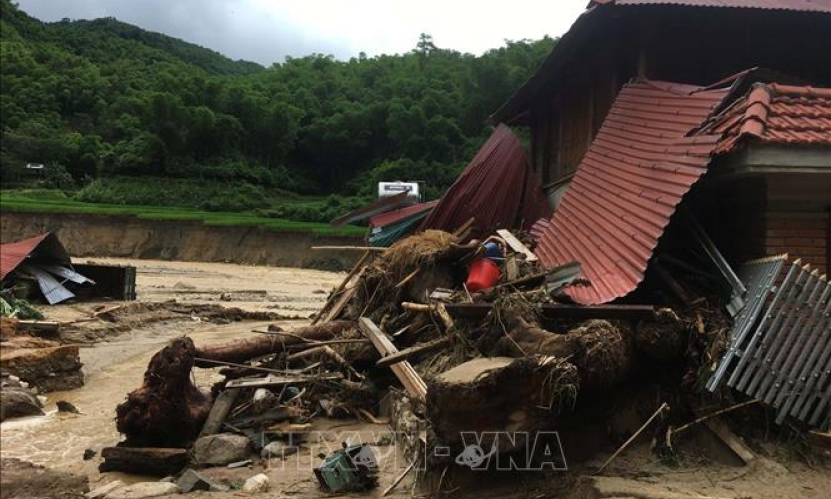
(696,46)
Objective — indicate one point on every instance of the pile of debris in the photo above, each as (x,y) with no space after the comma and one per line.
(437,336)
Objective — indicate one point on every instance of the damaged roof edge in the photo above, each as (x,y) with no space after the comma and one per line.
(598,11)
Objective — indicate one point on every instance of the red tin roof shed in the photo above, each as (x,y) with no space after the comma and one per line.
(47,245)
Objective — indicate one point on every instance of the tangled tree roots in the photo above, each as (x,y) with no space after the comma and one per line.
(168,410)
(601,352)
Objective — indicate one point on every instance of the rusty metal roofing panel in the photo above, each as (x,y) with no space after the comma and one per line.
(497,188)
(795,5)
(13,254)
(777,114)
(391,217)
(634,174)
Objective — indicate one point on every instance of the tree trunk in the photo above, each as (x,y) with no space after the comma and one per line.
(243,350)
(153,461)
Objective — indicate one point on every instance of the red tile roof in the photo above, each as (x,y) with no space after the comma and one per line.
(626,189)
(497,188)
(779,114)
(797,5)
(13,254)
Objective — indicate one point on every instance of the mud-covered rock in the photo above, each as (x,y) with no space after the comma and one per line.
(221,449)
(21,479)
(18,402)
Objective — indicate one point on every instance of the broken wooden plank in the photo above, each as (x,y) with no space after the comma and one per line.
(730,440)
(222,406)
(464,230)
(558,311)
(272,380)
(405,373)
(359,265)
(438,308)
(413,351)
(517,245)
(344,298)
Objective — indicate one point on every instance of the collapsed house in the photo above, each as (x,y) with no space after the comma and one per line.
(43,260)
(671,228)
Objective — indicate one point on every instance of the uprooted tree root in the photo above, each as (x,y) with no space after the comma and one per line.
(168,410)
(500,394)
(601,351)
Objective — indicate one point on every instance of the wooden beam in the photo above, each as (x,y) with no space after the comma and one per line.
(413,351)
(559,311)
(517,245)
(153,461)
(730,440)
(464,230)
(405,373)
(347,295)
(222,406)
(358,267)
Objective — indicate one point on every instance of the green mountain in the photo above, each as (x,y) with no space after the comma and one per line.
(102,101)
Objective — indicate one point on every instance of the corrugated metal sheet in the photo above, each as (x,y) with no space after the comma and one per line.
(774,113)
(795,5)
(395,216)
(786,362)
(52,289)
(758,277)
(626,189)
(497,188)
(13,254)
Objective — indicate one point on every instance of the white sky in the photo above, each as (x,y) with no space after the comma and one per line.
(266,31)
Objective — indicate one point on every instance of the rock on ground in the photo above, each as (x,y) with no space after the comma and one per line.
(18,402)
(278,449)
(143,490)
(21,479)
(104,489)
(221,449)
(257,483)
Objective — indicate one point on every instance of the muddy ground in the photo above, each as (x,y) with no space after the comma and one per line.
(183,298)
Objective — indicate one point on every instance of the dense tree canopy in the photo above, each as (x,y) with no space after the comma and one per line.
(105,99)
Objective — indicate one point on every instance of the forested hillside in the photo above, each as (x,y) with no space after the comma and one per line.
(112,109)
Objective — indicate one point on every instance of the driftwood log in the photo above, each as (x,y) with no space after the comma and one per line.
(168,409)
(153,461)
(243,350)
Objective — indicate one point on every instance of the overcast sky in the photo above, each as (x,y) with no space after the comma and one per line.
(266,31)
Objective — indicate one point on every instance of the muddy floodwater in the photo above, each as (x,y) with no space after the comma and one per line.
(115,355)
(115,365)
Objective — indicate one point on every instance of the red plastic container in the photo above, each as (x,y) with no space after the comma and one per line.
(483,274)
